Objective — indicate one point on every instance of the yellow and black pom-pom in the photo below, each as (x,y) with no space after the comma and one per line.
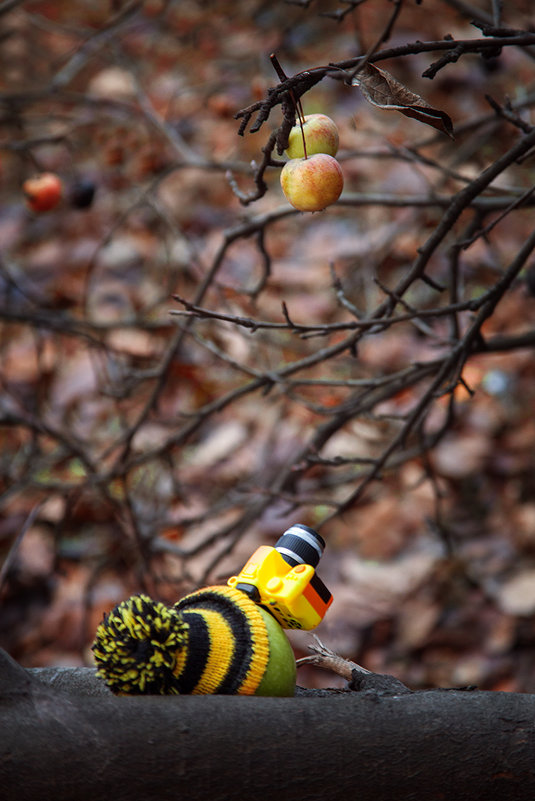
(137,645)
(212,641)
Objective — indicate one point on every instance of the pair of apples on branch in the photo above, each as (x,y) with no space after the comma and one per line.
(312,179)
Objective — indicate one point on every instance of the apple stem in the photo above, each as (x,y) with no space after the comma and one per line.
(301,118)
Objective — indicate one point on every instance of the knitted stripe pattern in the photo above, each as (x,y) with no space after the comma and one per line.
(212,641)
(238,648)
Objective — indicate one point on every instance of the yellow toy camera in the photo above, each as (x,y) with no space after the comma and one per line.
(283,579)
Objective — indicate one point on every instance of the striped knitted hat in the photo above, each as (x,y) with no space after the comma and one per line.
(212,641)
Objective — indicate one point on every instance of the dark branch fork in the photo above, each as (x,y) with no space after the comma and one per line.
(290,90)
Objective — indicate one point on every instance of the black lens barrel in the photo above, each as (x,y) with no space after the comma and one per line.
(300,545)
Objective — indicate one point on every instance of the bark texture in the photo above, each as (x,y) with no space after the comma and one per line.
(64,737)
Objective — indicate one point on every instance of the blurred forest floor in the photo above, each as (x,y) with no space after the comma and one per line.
(131,457)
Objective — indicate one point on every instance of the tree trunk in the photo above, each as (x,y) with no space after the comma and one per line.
(64,737)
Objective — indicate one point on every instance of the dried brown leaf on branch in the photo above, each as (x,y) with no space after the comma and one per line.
(384,91)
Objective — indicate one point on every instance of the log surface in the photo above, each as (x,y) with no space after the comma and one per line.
(65,737)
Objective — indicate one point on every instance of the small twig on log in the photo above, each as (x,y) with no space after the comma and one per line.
(324,658)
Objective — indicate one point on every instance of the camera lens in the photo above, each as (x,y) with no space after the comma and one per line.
(300,545)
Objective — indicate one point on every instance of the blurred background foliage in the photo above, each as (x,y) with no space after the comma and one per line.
(144,449)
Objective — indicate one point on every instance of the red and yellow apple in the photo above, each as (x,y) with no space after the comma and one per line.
(43,192)
(313,183)
(321,136)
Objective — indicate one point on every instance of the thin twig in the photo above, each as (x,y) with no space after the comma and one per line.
(327,659)
(12,553)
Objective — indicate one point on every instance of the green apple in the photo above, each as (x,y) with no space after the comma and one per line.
(281,672)
(313,183)
(321,136)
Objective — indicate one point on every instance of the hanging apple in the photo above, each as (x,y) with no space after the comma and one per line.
(43,192)
(320,134)
(313,183)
